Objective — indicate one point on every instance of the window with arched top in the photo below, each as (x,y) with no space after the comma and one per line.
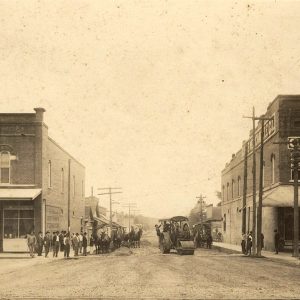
(5,167)
(227,191)
(62,179)
(232,188)
(223,193)
(273,168)
(49,174)
(239,186)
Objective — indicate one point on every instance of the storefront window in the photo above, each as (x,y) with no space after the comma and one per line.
(25,226)
(18,222)
(26,214)
(9,214)
(10,228)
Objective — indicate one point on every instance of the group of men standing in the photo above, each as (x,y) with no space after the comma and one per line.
(58,242)
(247,242)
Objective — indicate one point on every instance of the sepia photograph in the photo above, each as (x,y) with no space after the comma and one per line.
(149,149)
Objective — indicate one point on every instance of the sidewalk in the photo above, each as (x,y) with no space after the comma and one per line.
(281,257)
(25,255)
(19,255)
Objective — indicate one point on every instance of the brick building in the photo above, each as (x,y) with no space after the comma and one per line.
(38,179)
(277,212)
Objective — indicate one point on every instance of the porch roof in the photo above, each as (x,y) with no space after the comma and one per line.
(281,196)
(19,194)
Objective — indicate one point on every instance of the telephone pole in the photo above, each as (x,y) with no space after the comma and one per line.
(135,211)
(256,232)
(201,207)
(69,195)
(111,202)
(129,205)
(296,207)
(294,146)
(245,189)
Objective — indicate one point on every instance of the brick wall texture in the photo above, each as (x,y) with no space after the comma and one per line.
(25,136)
(285,111)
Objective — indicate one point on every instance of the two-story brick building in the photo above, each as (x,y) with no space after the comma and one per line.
(40,183)
(278,195)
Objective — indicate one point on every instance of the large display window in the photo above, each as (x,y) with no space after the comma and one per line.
(18,221)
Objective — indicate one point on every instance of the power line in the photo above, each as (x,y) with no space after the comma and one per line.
(129,205)
(111,202)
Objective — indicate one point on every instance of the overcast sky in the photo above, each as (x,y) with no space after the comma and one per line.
(149,95)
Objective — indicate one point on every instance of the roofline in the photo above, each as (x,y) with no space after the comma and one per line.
(61,148)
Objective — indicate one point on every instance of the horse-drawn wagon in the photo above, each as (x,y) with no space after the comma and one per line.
(176,235)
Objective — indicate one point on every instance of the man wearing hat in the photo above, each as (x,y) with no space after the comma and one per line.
(75,241)
(31,242)
(47,242)
(40,243)
(55,244)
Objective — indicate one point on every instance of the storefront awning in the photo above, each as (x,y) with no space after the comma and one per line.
(19,194)
(102,220)
(281,196)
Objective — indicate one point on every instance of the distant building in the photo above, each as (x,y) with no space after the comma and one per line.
(35,181)
(284,113)
(93,209)
(214,218)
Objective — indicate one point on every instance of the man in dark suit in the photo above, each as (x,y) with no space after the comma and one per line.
(47,243)
(40,243)
(84,243)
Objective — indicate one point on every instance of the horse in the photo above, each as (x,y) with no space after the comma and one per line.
(131,237)
(105,242)
(137,238)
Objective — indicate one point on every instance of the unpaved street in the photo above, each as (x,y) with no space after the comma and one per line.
(145,273)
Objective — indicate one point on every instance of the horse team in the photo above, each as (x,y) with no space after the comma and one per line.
(104,243)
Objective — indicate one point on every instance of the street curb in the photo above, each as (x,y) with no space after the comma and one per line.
(226,250)
(294,263)
(280,260)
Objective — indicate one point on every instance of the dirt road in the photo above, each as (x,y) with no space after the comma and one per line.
(146,273)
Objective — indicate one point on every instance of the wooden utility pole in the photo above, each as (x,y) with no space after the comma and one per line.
(129,205)
(294,146)
(254,182)
(111,202)
(261,185)
(296,208)
(69,195)
(135,211)
(256,232)
(245,189)
(201,207)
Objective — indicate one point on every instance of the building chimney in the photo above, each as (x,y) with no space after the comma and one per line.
(39,111)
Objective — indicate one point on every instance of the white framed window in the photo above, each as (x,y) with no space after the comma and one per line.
(292,175)
(232,188)
(49,174)
(5,167)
